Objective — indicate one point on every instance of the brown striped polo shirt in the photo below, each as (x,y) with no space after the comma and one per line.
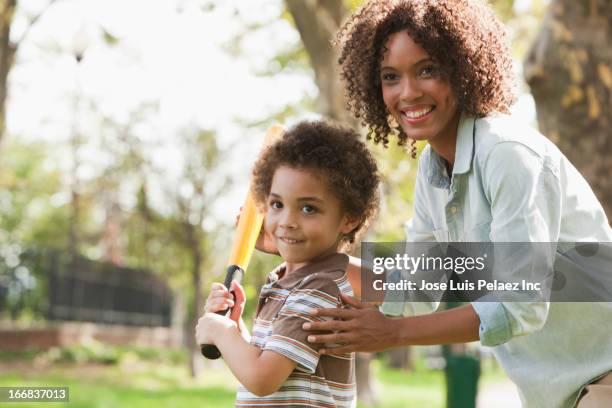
(285,303)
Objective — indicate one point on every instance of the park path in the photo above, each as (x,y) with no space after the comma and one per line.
(498,395)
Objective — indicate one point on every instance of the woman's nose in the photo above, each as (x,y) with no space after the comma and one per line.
(410,90)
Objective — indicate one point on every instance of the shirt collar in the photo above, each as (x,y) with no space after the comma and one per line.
(464,155)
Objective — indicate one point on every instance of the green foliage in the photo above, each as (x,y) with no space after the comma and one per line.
(398,170)
(92,351)
(522,25)
(27,184)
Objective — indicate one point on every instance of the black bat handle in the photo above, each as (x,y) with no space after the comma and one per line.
(234,272)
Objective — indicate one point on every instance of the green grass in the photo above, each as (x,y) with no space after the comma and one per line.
(401,389)
(137,383)
(147,385)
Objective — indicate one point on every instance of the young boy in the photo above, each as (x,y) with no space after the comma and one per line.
(319,188)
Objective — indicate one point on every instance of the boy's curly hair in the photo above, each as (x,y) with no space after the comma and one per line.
(463,36)
(335,153)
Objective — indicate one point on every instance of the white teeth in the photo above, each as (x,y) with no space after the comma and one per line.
(417,114)
(290,241)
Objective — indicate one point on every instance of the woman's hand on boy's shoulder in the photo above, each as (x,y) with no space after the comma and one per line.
(357,327)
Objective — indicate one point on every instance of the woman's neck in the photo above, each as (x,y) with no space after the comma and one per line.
(446,142)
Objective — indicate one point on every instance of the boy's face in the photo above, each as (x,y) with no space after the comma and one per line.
(305,218)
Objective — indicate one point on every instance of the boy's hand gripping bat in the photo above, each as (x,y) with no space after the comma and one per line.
(247,231)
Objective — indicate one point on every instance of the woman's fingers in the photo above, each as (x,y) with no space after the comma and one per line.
(336,351)
(334,338)
(353,302)
(327,325)
(335,312)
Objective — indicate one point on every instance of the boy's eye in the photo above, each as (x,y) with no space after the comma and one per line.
(309,209)
(276,204)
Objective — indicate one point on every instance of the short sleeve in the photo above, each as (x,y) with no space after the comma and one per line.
(287,337)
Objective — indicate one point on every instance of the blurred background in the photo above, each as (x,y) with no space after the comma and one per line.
(127,133)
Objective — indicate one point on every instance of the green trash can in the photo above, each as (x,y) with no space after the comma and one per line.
(462,373)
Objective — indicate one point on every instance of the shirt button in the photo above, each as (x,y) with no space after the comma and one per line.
(454,209)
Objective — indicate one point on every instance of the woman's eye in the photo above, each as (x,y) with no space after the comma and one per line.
(309,209)
(276,205)
(388,76)
(428,71)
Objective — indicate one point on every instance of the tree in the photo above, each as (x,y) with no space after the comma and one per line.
(569,70)
(9,48)
(194,196)
(318,21)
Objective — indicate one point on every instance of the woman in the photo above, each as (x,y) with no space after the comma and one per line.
(440,71)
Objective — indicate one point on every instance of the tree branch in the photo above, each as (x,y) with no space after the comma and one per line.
(33,21)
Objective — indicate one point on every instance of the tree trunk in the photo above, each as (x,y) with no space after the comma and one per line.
(7,56)
(318,21)
(569,70)
(195,362)
(366,393)
(400,358)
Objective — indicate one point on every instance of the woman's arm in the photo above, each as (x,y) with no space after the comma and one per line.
(262,373)
(364,328)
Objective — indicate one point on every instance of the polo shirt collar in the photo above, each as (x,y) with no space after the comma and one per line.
(329,263)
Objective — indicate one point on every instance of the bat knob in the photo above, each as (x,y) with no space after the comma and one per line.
(210,351)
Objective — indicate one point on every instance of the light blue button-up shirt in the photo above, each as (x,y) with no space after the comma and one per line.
(511,184)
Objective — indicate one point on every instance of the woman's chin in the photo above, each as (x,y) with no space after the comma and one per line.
(418,135)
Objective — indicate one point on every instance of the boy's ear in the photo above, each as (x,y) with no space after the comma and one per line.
(349,224)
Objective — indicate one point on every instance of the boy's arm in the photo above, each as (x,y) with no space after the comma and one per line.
(262,373)
(244,330)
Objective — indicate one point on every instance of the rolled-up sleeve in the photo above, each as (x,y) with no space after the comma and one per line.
(501,321)
(494,323)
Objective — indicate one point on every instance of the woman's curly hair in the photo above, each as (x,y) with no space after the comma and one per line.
(463,36)
(335,154)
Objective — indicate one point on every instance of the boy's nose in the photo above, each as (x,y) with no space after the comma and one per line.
(288,221)
(289,225)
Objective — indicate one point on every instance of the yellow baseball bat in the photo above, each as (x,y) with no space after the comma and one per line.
(247,231)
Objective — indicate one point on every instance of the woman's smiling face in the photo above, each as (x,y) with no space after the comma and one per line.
(416,92)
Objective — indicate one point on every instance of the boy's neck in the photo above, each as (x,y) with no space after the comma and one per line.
(291,267)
